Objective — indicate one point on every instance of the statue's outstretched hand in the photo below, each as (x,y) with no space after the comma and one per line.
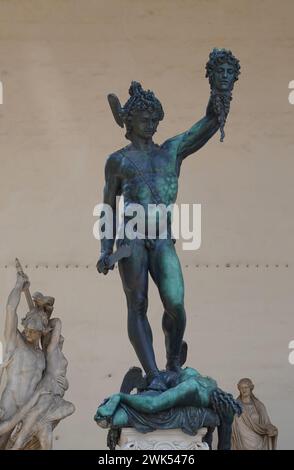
(102,264)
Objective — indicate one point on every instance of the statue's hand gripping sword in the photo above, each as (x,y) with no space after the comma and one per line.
(27,289)
(123,251)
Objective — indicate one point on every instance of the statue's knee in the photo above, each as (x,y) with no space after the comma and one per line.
(70,409)
(138,306)
(175,309)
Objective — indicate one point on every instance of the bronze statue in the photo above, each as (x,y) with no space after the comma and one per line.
(147,173)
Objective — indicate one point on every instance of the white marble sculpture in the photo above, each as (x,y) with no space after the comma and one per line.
(253,430)
(170,439)
(32,401)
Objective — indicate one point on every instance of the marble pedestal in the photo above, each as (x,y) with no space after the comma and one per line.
(170,439)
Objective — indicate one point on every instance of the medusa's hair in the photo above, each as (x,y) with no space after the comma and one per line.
(223,403)
(221,56)
(140,100)
(221,101)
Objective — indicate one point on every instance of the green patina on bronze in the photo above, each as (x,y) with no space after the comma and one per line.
(193,389)
(147,173)
(193,402)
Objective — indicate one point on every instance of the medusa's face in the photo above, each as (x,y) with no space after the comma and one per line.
(224,76)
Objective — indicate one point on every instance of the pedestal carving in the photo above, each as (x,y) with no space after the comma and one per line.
(172,439)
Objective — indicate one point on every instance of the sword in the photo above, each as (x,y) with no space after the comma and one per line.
(124,251)
(26,290)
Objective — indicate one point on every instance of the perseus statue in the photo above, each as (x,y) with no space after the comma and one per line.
(146,173)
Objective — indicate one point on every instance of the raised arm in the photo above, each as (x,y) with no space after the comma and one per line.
(192,140)
(55,324)
(11,320)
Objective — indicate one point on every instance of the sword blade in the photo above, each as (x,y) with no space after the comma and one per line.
(124,251)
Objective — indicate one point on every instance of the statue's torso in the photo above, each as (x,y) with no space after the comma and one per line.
(148,178)
(56,368)
(159,168)
(23,374)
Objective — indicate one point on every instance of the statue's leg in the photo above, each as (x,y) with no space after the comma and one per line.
(25,433)
(166,272)
(134,275)
(184,394)
(4,440)
(8,409)
(45,436)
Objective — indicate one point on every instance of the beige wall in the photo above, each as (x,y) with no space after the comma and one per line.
(58,61)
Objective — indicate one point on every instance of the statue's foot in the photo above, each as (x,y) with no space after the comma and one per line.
(170,378)
(173,367)
(173,364)
(157,384)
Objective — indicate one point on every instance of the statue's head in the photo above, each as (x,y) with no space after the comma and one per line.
(44,302)
(35,325)
(245,387)
(36,321)
(222,70)
(141,113)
